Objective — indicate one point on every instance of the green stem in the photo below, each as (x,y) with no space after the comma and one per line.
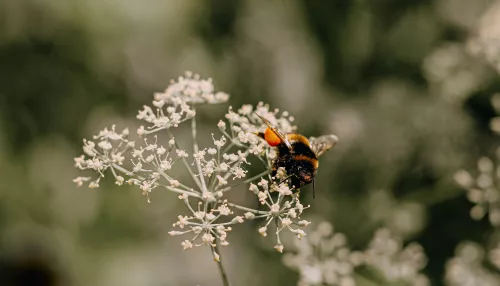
(225,279)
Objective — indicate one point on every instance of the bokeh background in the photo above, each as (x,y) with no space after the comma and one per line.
(406,85)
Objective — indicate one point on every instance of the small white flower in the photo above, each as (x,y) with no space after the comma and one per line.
(304,223)
(165,165)
(279,248)
(224,167)
(221,142)
(275,209)
(105,145)
(94,185)
(174,183)
(186,244)
(199,215)
(118,158)
(181,153)
(262,197)
(238,173)
(221,180)
(80,180)
(249,215)
(174,232)
(183,196)
(253,188)
(200,155)
(263,231)
(207,238)
(238,219)
(222,125)
(141,131)
(160,151)
(286,222)
(119,180)
(264,184)
(216,257)
(224,210)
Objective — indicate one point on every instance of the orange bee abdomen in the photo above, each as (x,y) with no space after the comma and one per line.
(271,138)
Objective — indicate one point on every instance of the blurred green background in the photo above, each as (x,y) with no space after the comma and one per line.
(394,79)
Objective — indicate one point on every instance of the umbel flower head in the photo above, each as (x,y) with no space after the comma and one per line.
(324,258)
(482,189)
(466,267)
(147,163)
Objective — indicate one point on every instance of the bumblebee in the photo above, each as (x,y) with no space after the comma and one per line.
(296,154)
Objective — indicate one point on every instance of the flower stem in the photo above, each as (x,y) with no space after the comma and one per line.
(225,280)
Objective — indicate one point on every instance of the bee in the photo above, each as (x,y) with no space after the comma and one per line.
(296,154)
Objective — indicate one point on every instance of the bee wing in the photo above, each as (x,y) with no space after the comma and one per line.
(323,143)
(276,131)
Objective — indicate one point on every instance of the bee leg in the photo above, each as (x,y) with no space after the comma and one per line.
(285,179)
(314,190)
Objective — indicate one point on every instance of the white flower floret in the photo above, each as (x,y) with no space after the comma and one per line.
(286,222)
(94,185)
(224,210)
(238,173)
(183,196)
(253,188)
(263,231)
(119,180)
(118,158)
(199,215)
(304,223)
(264,184)
(262,197)
(207,238)
(221,125)
(174,232)
(181,153)
(275,209)
(80,180)
(221,180)
(210,216)
(221,142)
(105,145)
(238,219)
(160,151)
(141,131)
(224,167)
(216,257)
(165,165)
(249,215)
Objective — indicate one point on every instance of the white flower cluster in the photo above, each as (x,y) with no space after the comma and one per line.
(483,190)
(397,263)
(147,164)
(495,121)
(174,106)
(323,258)
(466,267)
(452,73)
